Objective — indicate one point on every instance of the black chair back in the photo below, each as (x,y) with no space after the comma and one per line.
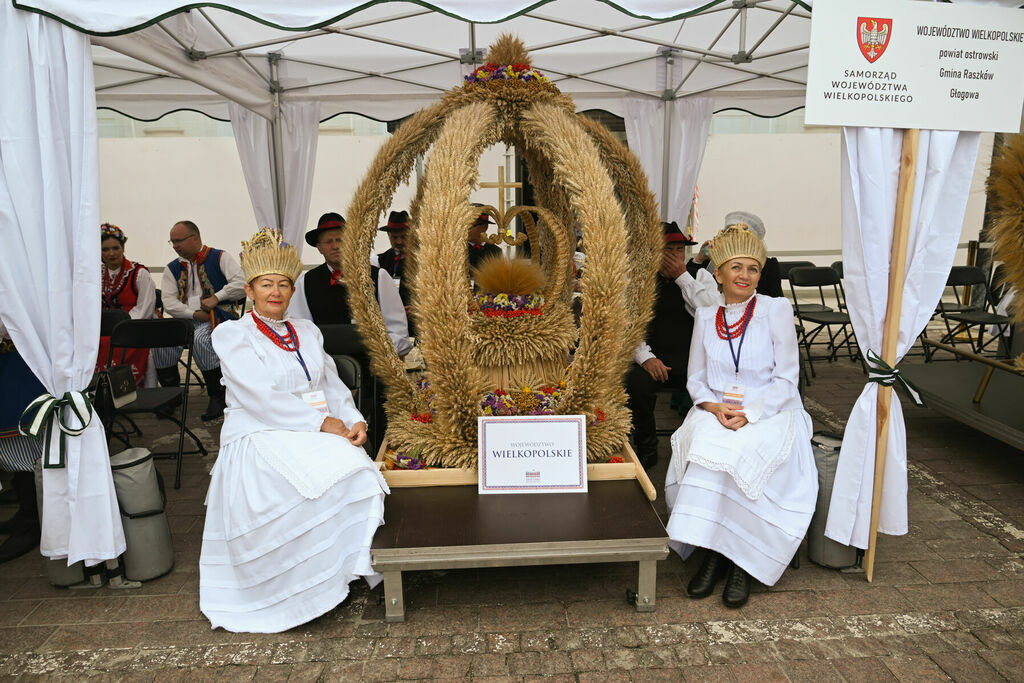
(838,267)
(786,266)
(965,276)
(109,318)
(815,276)
(152,333)
(343,339)
(351,373)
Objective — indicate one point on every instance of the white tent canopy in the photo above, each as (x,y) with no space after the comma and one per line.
(389,59)
(383,60)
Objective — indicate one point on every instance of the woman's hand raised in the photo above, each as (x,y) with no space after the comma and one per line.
(730,416)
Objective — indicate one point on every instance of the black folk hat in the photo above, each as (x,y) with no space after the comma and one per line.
(329,221)
(397,222)
(674,234)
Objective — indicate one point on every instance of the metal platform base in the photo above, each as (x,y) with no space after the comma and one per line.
(452,527)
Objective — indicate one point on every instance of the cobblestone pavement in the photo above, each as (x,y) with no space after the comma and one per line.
(947,601)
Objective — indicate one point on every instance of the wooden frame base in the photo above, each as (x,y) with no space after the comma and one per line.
(602,471)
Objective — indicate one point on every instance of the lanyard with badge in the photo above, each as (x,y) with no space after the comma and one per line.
(315,399)
(734,392)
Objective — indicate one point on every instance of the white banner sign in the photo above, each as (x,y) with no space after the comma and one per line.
(533,454)
(910,64)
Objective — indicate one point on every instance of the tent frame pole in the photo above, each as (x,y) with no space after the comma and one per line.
(666,108)
(276,142)
(891,328)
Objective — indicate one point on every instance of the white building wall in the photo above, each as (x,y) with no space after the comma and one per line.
(790,180)
(149,183)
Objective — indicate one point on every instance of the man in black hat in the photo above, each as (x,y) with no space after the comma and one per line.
(661,359)
(320,293)
(479,249)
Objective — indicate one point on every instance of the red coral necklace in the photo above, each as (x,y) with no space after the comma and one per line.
(288,342)
(734,330)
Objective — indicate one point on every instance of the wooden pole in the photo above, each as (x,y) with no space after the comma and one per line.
(891,329)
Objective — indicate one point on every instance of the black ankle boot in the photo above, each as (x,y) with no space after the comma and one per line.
(711,570)
(737,587)
(168,377)
(216,392)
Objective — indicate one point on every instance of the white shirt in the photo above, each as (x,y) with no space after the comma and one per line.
(391,307)
(265,383)
(232,291)
(697,292)
(146,302)
(769,360)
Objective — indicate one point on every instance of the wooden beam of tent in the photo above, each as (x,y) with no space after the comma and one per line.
(891,329)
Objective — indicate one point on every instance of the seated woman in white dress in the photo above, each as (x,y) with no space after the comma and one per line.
(294,500)
(742,482)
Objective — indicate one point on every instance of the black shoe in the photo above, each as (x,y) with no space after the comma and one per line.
(168,377)
(21,541)
(711,570)
(737,587)
(214,410)
(9,525)
(648,459)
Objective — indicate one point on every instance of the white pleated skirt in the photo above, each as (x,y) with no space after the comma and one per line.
(273,558)
(708,510)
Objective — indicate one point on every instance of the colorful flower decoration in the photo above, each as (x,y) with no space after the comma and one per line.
(506,72)
(510,305)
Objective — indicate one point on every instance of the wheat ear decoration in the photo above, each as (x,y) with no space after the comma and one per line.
(390,167)
(443,279)
(577,167)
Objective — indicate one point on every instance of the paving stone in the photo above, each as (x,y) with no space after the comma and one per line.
(434,645)
(934,597)
(451,666)
(273,673)
(489,665)
(763,672)
(810,671)
(587,660)
(994,639)
(520,617)
(966,666)
(468,643)
(414,667)
(602,677)
(57,612)
(957,571)
(539,663)
(881,600)
(863,670)
(1006,593)
(395,647)
(306,672)
(721,673)
(1009,663)
(503,642)
(915,668)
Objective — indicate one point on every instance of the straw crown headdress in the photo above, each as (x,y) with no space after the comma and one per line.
(737,241)
(267,253)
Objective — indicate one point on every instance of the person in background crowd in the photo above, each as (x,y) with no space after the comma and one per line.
(127,286)
(660,361)
(321,296)
(18,454)
(742,483)
(202,284)
(478,248)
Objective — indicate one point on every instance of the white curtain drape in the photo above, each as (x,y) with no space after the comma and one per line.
(300,126)
(870,171)
(645,133)
(50,260)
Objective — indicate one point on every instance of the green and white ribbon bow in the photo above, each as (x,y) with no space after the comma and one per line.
(881,372)
(48,423)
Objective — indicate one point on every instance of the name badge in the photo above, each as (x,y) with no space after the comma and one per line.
(733,394)
(318,400)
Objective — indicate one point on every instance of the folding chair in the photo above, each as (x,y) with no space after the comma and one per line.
(976,311)
(160,401)
(785,267)
(821,278)
(345,345)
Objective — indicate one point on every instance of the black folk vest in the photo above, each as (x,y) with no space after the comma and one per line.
(329,303)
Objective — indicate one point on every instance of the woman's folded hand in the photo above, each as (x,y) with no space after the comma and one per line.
(730,416)
(357,435)
(333,425)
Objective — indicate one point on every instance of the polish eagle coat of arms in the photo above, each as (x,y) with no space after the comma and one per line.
(873,36)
